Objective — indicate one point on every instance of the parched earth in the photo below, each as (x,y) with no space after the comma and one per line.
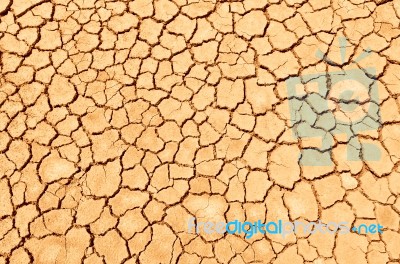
(121,120)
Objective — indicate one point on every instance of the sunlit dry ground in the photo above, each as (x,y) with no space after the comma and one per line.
(120,120)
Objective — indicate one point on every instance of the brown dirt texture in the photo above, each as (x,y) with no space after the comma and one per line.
(122,120)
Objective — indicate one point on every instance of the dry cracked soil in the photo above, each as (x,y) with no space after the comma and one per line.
(120,120)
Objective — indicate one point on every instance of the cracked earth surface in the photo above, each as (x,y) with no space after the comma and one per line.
(120,120)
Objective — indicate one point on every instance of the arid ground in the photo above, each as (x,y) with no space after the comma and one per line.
(121,120)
